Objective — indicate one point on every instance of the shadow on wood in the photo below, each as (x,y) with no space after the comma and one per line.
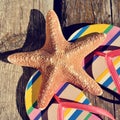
(35,39)
(90,69)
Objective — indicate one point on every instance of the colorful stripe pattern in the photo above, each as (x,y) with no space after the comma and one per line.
(104,77)
(113,36)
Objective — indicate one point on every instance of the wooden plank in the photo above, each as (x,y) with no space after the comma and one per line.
(80,11)
(21,17)
(21,24)
(45,5)
(115,4)
(77,13)
(14,14)
(115,8)
(9,76)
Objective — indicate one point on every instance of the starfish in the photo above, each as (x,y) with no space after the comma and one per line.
(60,61)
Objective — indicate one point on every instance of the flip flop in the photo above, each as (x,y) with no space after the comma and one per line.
(77,106)
(109,64)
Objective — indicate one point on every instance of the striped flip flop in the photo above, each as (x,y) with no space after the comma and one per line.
(105,63)
(72,110)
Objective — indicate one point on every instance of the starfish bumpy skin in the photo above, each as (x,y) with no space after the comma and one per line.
(60,61)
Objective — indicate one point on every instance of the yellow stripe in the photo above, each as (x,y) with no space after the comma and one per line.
(32,93)
(67,111)
(91,28)
(78,98)
(31,96)
(117,61)
(96,28)
(106,71)
(102,75)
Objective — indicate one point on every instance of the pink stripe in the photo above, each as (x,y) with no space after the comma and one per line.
(94,117)
(110,35)
(34,113)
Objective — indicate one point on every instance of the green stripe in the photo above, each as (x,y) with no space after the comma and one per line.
(32,107)
(30,110)
(108,29)
(115,89)
(88,116)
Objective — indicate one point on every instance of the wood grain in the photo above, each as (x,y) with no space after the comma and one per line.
(115,12)
(22,28)
(88,11)
(78,13)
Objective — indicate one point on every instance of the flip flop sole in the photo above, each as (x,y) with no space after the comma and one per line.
(31,94)
(101,75)
(96,66)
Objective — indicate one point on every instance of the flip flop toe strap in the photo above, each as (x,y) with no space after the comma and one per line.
(113,72)
(108,56)
(79,106)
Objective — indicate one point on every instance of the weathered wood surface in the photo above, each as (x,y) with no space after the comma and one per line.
(22,28)
(88,12)
(77,13)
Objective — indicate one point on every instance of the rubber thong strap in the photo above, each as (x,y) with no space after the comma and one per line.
(89,108)
(108,57)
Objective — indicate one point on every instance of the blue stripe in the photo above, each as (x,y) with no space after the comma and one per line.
(62,89)
(78,112)
(38,116)
(75,115)
(79,33)
(118,70)
(33,80)
(110,80)
(115,37)
(41,113)
(86,101)
(103,48)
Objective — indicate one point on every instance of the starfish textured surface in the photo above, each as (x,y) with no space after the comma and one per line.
(60,61)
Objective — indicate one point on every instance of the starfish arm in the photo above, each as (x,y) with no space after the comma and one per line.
(90,84)
(87,43)
(84,81)
(52,81)
(54,37)
(34,59)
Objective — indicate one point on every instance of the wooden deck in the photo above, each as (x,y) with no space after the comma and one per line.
(22,28)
